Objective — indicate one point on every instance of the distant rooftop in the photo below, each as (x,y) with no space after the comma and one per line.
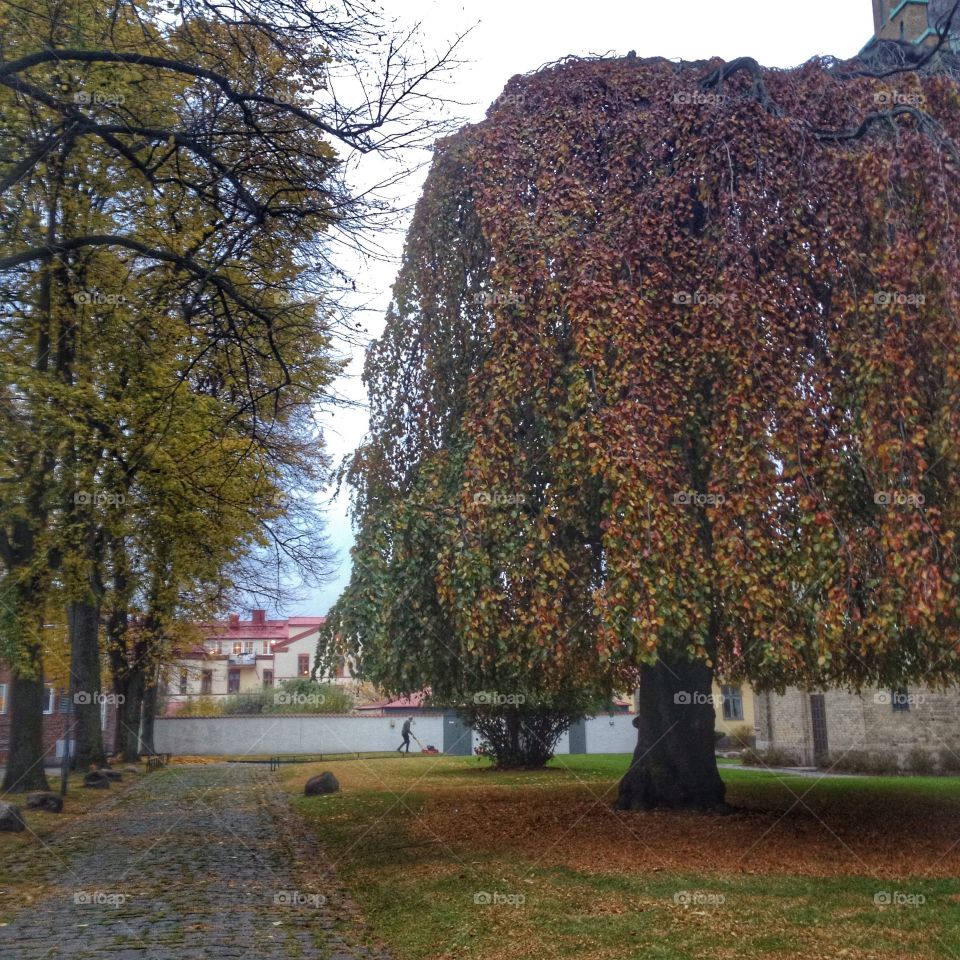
(258,627)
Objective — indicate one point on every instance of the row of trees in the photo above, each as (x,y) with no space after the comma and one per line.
(172,179)
(669,387)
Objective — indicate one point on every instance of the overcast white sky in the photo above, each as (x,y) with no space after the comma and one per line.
(517,36)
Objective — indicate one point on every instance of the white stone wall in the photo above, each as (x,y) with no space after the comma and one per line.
(616,734)
(254,736)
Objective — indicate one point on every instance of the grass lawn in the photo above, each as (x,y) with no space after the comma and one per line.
(447,858)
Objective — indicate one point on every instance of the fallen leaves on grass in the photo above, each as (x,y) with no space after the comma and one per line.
(577,827)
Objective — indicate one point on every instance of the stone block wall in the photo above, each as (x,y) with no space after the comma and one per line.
(931,723)
(865,723)
(784,724)
(909,24)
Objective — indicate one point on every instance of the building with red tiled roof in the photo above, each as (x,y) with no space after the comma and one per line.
(242,656)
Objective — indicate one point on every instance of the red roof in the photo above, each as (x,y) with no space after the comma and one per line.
(413,702)
(280,645)
(280,633)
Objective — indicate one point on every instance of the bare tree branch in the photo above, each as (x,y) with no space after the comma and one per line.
(727,70)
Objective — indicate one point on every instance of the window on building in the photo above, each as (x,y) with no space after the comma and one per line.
(732,702)
(237,646)
(3,698)
(218,647)
(64,701)
(303,664)
(183,683)
(206,682)
(233,681)
(48,700)
(266,646)
(900,700)
(248,646)
(268,678)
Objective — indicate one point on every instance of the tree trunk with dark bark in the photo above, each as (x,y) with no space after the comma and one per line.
(513,726)
(149,713)
(83,621)
(25,768)
(117,745)
(18,541)
(674,764)
(129,709)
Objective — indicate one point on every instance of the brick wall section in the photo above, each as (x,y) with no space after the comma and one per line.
(909,24)
(53,728)
(54,724)
(913,20)
(864,723)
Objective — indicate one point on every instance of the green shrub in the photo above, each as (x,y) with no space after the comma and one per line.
(949,762)
(853,761)
(304,696)
(883,763)
(921,761)
(742,737)
(774,757)
(246,704)
(865,761)
(301,695)
(517,738)
(199,707)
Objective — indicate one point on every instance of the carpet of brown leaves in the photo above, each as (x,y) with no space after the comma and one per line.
(798,832)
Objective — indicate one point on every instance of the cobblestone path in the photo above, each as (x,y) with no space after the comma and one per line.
(192,862)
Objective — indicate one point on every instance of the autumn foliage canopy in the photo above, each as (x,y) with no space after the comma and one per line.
(672,369)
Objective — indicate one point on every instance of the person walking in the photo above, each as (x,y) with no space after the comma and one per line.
(405,733)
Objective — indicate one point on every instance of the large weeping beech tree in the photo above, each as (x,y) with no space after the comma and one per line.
(670,390)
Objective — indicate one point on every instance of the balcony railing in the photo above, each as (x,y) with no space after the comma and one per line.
(242,659)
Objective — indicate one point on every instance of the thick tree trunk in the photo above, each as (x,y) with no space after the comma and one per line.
(117,746)
(25,756)
(513,725)
(133,687)
(25,759)
(674,764)
(149,713)
(83,620)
